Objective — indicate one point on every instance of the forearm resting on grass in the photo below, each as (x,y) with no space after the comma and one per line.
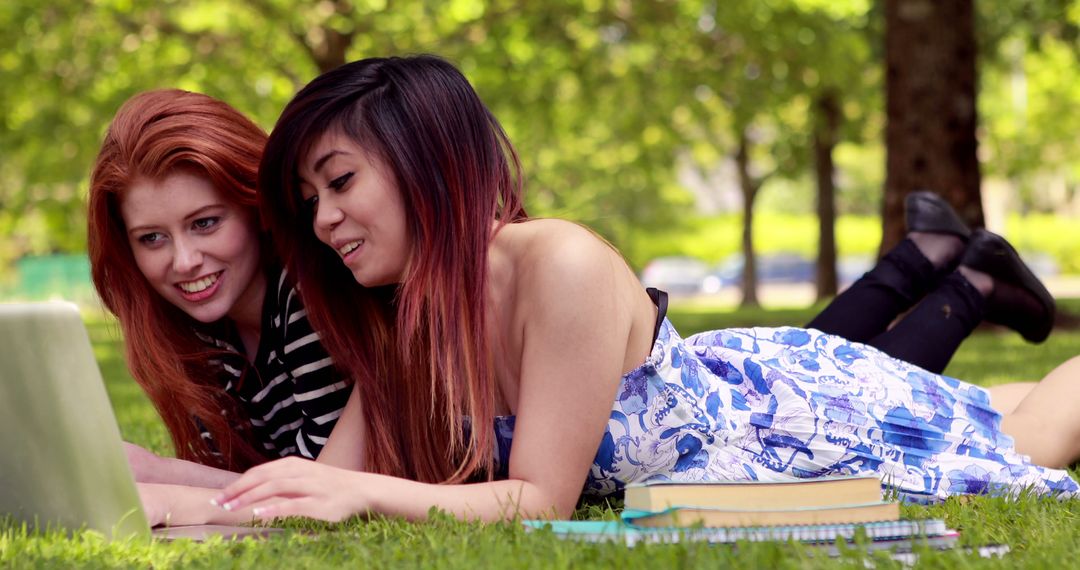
(489,502)
(176,505)
(148,467)
(334,488)
(298,487)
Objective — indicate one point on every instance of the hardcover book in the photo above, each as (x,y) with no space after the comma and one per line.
(688,516)
(799,493)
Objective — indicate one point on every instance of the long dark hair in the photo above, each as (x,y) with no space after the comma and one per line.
(423,362)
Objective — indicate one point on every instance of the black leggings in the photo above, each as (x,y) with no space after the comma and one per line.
(930,334)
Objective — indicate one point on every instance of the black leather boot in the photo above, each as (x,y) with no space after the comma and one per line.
(1019,300)
(925,211)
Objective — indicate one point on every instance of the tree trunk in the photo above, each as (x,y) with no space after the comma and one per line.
(826,136)
(930,109)
(330,53)
(749,188)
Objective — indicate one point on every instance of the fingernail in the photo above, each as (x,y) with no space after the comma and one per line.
(228,506)
(215,502)
(257,511)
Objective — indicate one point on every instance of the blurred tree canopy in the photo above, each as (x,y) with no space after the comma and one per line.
(599,96)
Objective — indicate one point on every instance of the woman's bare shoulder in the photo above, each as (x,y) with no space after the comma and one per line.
(556,255)
(549,240)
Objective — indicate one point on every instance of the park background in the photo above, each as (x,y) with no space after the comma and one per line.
(674,128)
(700,128)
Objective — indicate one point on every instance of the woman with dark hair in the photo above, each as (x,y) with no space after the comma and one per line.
(215,332)
(504,329)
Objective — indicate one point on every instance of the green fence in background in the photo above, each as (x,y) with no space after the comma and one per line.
(42,278)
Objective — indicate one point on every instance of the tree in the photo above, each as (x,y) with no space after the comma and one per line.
(736,100)
(827,117)
(834,75)
(769,67)
(930,54)
(569,80)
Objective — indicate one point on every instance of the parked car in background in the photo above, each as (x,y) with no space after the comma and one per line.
(680,275)
(771,268)
(851,267)
(676,275)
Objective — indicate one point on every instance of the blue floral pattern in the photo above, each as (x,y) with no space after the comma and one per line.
(769,404)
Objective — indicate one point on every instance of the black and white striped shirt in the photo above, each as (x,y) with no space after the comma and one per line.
(293,394)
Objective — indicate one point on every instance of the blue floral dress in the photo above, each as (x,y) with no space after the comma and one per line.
(770,404)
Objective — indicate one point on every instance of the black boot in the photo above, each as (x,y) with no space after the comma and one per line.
(1019,300)
(925,211)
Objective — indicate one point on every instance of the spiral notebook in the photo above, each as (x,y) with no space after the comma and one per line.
(934,531)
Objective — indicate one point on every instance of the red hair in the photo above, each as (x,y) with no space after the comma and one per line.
(420,352)
(153,135)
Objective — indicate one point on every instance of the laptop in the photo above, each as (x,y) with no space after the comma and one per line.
(64,463)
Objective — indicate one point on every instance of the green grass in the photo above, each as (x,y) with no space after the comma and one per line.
(1041,533)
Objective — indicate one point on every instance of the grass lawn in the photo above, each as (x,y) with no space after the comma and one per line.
(1041,533)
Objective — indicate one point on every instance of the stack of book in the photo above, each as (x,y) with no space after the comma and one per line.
(828,501)
(811,511)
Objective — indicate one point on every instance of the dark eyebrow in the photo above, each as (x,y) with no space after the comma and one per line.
(322,160)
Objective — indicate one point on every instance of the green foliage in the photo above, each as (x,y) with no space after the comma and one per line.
(570,81)
(600,96)
(1028,98)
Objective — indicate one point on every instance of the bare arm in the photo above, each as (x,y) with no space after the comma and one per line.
(573,353)
(178,492)
(300,487)
(176,505)
(148,467)
(345,447)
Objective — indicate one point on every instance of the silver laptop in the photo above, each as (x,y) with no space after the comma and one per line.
(63,460)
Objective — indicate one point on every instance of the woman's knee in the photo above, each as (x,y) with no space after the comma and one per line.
(1005,398)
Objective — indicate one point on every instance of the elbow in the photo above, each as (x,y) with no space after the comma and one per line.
(564,512)
(551,505)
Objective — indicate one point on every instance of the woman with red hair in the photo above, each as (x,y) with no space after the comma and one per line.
(215,332)
(519,363)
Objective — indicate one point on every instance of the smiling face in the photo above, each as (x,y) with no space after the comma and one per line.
(197,250)
(357,209)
